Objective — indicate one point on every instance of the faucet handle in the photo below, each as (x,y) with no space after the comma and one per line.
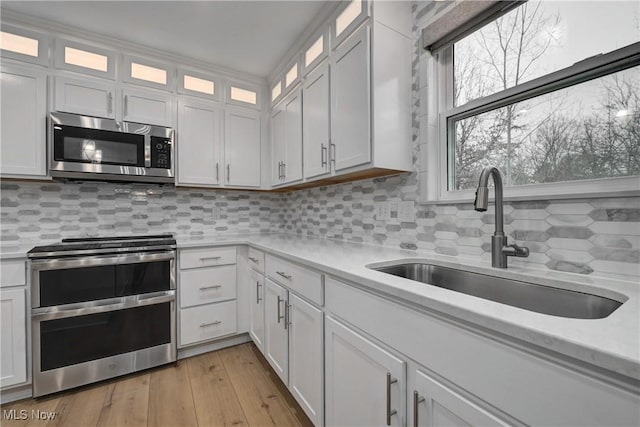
(515,250)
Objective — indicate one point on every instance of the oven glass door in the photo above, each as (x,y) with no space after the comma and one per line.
(96,146)
(72,340)
(84,283)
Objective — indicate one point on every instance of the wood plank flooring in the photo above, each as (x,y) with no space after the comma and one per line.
(230,387)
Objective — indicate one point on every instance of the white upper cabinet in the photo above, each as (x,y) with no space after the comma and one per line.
(89,97)
(242,148)
(242,94)
(147,106)
(315,122)
(315,51)
(199,143)
(276,91)
(23,121)
(350,102)
(145,72)
(24,45)
(286,142)
(292,75)
(86,59)
(347,19)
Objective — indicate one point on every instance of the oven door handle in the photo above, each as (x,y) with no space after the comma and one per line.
(99,260)
(93,307)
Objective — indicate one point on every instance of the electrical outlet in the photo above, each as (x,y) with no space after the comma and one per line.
(407,211)
(393,211)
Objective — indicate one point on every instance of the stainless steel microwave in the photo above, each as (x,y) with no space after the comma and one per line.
(91,148)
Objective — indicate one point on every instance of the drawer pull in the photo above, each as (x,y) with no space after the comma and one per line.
(210,258)
(254,260)
(204,288)
(390,412)
(286,276)
(204,325)
(417,400)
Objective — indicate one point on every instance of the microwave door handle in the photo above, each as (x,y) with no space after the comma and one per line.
(147,151)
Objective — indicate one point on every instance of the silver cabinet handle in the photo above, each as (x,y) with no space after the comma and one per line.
(332,152)
(417,400)
(282,274)
(252,259)
(287,314)
(109,103)
(208,258)
(389,411)
(217,172)
(204,325)
(258,286)
(280,317)
(323,155)
(228,172)
(126,105)
(279,170)
(284,171)
(204,288)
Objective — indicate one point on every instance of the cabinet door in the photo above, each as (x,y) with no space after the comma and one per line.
(293,137)
(437,405)
(198,143)
(350,102)
(315,122)
(256,313)
(23,121)
(13,343)
(88,97)
(242,148)
(359,378)
(148,107)
(277,144)
(276,336)
(305,357)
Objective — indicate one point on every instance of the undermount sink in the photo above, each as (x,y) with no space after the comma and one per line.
(529,296)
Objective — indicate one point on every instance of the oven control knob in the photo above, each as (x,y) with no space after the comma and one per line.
(159,146)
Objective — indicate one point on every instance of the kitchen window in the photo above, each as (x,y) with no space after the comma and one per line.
(548,93)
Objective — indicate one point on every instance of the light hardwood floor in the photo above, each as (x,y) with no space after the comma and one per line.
(230,387)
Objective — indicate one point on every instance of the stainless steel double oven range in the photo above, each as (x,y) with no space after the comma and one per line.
(101,307)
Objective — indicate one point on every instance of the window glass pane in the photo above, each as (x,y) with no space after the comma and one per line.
(150,74)
(292,75)
(85,59)
(199,85)
(348,15)
(18,44)
(276,91)
(314,51)
(538,38)
(244,95)
(590,130)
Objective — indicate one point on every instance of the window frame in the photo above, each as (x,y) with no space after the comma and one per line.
(245,86)
(61,43)
(436,162)
(128,60)
(217,84)
(44,43)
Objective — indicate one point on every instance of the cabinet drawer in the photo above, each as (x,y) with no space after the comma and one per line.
(206,322)
(256,260)
(207,285)
(303,281)
(206,257)
(13,273)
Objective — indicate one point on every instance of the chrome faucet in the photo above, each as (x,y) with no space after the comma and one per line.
(500,250)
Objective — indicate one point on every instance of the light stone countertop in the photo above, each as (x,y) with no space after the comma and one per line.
(612,343)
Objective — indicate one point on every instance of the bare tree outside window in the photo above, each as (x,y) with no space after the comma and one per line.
(590,130)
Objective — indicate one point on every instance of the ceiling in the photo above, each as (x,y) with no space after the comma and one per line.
(246,36)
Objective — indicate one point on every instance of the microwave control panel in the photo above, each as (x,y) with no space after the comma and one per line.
(161,152)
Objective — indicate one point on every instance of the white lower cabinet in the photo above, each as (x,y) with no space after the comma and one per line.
(305,323)
(13,337)
(365,384)
(256,312)
(434,404)
(23,144)
(276,337)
